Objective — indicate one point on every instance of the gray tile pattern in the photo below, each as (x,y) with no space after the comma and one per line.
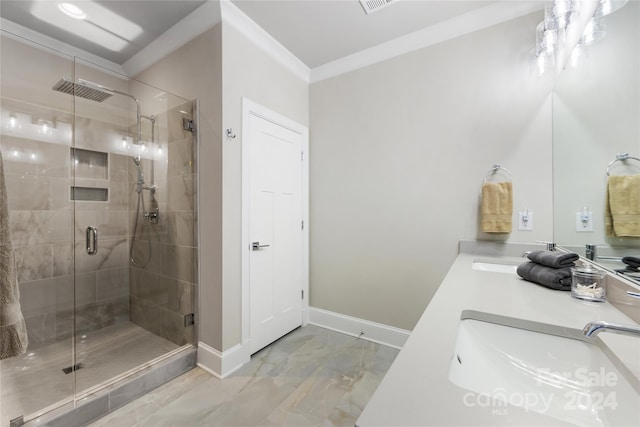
(311,377)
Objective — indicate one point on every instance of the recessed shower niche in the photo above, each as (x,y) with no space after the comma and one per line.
(90,164)
(93,165)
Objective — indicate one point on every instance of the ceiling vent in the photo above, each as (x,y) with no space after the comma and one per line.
(371,6)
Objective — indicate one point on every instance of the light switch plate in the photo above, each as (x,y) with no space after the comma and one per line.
(528,225)
(584,226)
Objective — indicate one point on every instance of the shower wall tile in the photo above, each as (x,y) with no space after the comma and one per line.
(97,135)
(34,262)
(84,262)
(63,258)
(112,223)
(85,288)
(180,192)
(181,228)
(44,223)
(64,292)
(174,122)
(37,227)
(84,219)
(181,157)
(112,253)
(27,192)
(181,297)
(28,227)
(119,168)
(178,262)
(41,329)
(38,296)
(48,159)
(160,321)
(59,226)
(100,314)
(60,195)
(112,283)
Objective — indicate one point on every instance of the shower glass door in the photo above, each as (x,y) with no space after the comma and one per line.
(135,251)
(35,140)
(102,225)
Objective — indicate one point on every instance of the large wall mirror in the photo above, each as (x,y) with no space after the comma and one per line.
(596,116)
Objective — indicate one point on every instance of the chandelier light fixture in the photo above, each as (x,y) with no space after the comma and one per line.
(560,18)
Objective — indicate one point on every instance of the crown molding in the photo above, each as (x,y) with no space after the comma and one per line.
(41,41)
(469,22)
(232,15)
(197,22)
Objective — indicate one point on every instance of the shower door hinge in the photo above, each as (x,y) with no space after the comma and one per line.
(302,291)
(187,124)
(189,319)
(302,225)
(17,422)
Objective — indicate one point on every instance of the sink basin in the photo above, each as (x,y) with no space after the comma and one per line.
(567,379)
(496,266)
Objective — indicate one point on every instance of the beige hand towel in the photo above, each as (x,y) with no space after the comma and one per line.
(13,331)
(497,207)
(623,208)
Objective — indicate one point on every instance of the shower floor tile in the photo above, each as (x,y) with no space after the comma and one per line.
(36,380)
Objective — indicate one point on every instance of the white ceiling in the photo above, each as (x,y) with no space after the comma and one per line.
(323,35)
(153,16)
(322,31)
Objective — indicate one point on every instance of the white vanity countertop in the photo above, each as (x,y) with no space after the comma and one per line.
(416,391)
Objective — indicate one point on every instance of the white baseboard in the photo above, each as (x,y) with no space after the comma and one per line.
(222,364)
(370,331)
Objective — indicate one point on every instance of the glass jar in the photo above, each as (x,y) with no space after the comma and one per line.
(588,283)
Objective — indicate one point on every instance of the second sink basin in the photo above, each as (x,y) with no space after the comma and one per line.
(567,379)
(496,266)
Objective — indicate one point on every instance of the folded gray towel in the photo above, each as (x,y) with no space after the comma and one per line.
(554,278)
(631,261)
(554,259)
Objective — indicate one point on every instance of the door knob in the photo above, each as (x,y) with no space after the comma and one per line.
(256,246)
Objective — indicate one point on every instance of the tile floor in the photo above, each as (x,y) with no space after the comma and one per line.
(311,377)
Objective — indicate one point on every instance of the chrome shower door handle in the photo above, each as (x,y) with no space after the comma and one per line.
(256,246)
(92,240)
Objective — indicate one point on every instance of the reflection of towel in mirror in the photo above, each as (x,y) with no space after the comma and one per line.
(554,259)
(13,331)
(632,262)
(497,207)
(554,278)
(622,218)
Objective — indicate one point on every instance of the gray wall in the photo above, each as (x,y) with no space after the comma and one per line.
(399,150)
(247,72)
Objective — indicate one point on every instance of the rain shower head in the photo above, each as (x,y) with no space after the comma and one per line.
(83,89)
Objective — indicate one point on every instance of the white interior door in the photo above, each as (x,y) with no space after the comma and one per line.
(275,231)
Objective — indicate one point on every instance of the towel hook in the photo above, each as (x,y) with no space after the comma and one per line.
(495,169)
(621,157)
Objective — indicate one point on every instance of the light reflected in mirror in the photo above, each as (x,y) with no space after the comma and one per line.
(596,116)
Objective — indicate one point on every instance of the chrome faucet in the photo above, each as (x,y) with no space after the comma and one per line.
(592,329)
(590,251)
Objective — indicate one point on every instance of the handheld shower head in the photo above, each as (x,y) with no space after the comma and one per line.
(136,160)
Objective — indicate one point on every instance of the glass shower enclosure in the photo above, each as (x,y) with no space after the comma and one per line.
(100,174)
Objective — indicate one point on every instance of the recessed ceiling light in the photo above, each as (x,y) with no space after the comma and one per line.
(72,10)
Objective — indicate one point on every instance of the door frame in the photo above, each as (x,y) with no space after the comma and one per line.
(251,108)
